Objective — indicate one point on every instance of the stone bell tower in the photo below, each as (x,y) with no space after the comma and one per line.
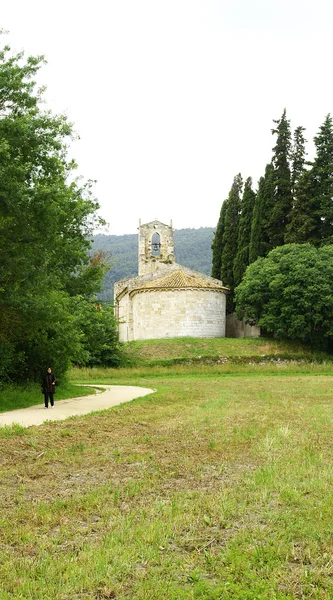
(156,246)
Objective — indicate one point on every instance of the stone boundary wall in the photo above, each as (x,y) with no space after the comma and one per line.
(238,329)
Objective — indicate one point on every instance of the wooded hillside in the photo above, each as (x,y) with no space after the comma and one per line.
(192,249)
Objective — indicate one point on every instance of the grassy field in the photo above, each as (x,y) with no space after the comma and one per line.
(219,351)
(216,487)
(21,396)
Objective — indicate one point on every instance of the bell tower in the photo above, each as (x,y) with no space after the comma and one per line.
(156,246)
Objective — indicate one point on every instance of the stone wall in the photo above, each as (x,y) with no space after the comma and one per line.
(124,316)
(178,313)
(238,329)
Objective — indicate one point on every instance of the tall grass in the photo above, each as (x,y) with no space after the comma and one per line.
(232,349)
(138,375)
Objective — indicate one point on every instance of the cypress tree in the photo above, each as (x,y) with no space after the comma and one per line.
(312,215)
(230,237)
(322,176)
(281,209)
(304,223)
(298,154)
(259,240)
(297,227)
(244,232)
(217,243)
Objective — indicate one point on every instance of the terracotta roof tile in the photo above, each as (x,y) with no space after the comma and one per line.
(180,280)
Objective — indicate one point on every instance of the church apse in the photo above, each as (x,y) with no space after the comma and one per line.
(167,299)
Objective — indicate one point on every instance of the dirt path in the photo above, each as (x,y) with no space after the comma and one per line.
(36,415)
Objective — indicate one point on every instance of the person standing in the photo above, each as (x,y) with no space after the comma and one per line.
(48,387)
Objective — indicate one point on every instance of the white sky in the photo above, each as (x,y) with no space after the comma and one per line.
(172,98)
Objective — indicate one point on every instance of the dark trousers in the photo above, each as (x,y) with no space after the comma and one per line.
(46,399)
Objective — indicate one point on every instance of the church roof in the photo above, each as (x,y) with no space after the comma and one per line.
(180,280)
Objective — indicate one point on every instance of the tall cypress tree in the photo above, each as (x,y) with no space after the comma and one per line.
(217,243)
(298,154)
(230,237)
(312,215)
(322,175)
(279,216)
(296,227)
(244,232)
(304,225)
(259,240)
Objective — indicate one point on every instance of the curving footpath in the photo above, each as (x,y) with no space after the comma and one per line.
(112,396)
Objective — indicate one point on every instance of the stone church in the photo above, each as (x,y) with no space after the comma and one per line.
(167,299)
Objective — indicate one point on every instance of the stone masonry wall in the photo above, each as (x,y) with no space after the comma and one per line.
(178,313)
(239,329)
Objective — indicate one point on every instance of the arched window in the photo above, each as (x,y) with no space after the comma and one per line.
(155,245)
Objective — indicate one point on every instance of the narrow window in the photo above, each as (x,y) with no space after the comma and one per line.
(155,245)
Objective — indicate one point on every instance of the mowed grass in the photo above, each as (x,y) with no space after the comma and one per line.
(20,396)
(217,486)
(168,357)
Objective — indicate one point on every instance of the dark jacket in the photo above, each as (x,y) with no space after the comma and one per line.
(48,385)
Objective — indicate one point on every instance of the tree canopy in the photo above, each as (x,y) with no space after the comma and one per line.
(289,293)
(46,218)
(292,204)
(230,235)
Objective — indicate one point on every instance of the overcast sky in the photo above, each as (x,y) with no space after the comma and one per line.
(172,98)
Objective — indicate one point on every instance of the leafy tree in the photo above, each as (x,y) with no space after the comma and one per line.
(217,244)
(46,217)
(289,293)
(96,323)
(230,235)
(282,206)
(244,232)
(259,240)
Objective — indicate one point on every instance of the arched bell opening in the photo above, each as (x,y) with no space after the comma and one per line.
(156,244)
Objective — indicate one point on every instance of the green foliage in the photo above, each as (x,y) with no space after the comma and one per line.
(46,218)
(244,232)
(230,235)
(289,293)
(279,216)
(312,215)
(193,248)
(322,174)
(99,339)
(293,204)
(298,154)
(259,241)
(217,244)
